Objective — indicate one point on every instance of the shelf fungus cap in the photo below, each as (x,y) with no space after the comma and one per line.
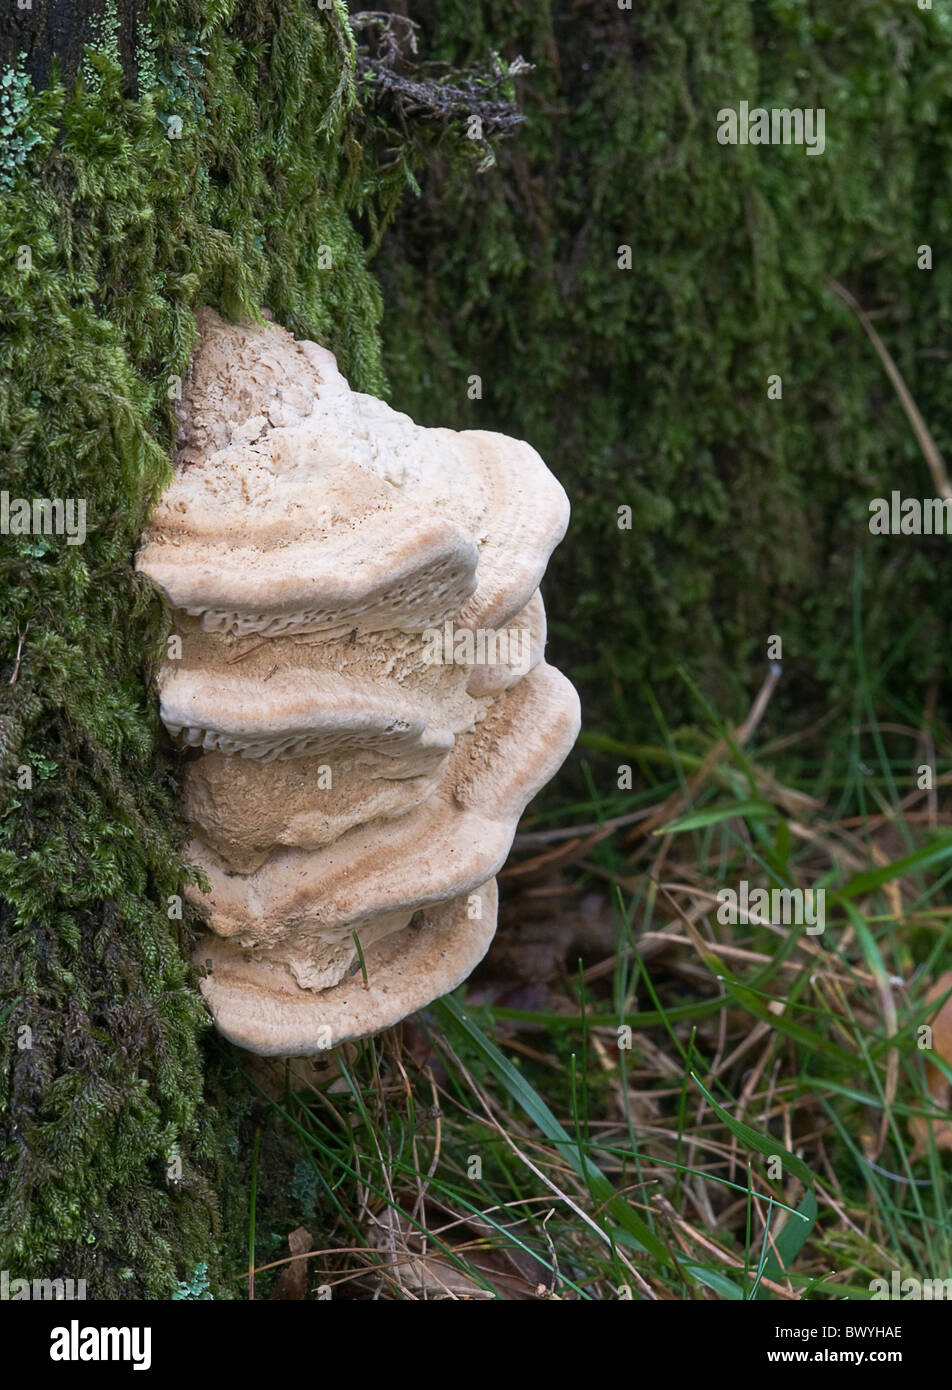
(302,506)
(258,1005)
(359,682)
(448,844)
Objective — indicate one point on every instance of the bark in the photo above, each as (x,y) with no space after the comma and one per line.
(56,32)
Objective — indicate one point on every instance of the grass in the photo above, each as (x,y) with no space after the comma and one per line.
(701,1110)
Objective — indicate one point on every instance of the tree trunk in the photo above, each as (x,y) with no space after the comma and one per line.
(118,217)
(56,32)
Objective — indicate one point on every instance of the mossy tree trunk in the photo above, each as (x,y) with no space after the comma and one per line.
(55,33)
(197,154)
(657,281)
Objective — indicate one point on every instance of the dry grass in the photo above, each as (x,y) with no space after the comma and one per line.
(757,1139)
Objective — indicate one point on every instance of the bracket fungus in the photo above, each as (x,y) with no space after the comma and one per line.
(360,674)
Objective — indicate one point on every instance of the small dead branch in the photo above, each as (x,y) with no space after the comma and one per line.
(386,60)
(21,638)
(940,478)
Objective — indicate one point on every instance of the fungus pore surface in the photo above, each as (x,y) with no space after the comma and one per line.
(357,668)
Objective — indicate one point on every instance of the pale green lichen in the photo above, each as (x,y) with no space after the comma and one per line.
(103,41)
(146,61)
(196,1288)
(16,136)
(177,91)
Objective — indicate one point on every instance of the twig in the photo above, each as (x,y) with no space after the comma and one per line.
(927,444)
(16,665)
(240,656)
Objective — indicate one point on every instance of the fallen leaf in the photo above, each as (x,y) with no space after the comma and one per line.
(292,1281)
(431,1275)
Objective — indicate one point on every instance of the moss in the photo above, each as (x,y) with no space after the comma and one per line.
(114,1146)
(648,387)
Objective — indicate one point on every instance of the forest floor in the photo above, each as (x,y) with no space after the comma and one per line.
(653,1089)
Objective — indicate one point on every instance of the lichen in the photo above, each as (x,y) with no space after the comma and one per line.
(103,40)
(17,138)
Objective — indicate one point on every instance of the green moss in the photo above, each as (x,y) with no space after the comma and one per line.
(110,235)
(648,387)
